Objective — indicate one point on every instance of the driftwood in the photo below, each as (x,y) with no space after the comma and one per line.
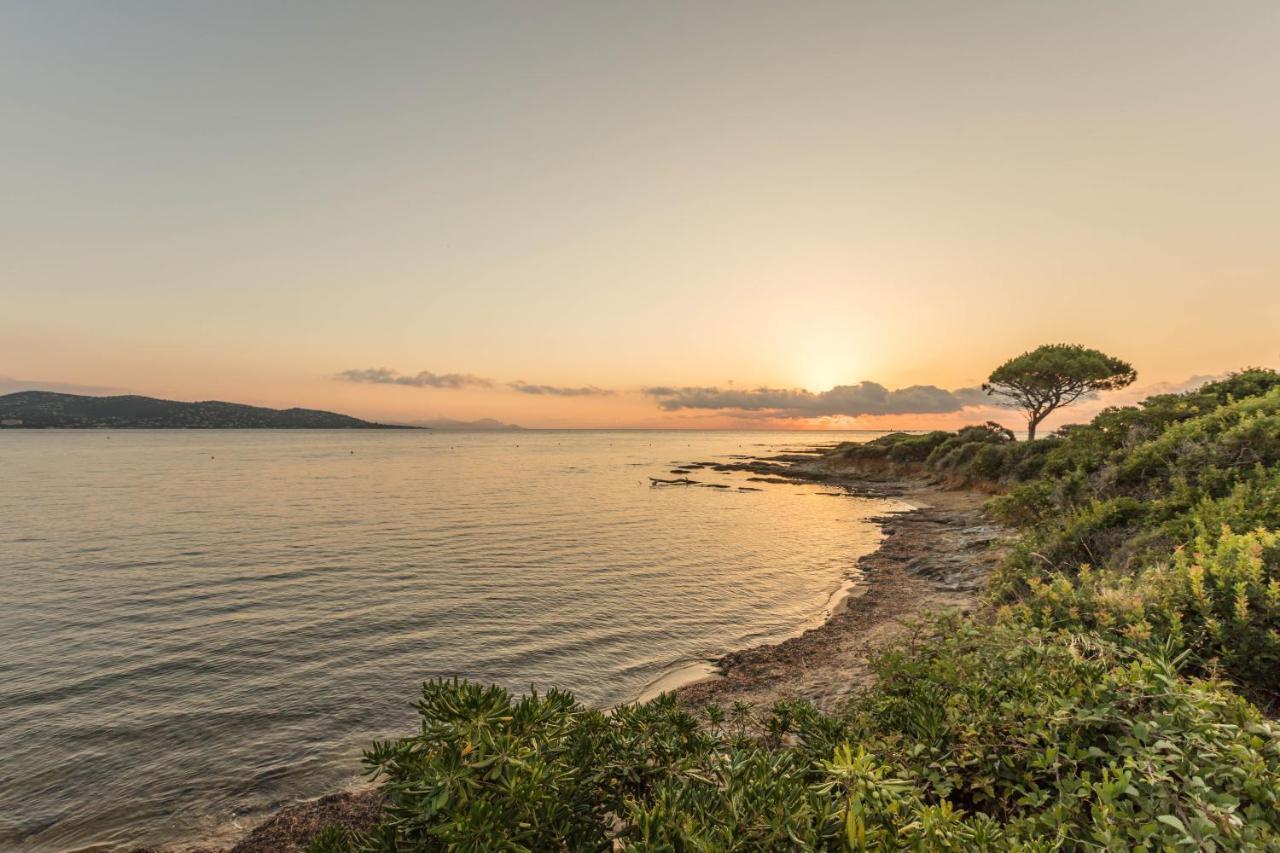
(683,481)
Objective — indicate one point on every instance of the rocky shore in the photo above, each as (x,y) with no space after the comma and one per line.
(934,557)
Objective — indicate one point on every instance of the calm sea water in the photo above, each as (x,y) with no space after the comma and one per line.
(199,626)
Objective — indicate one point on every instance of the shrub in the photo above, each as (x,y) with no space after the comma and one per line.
(1063,736)
(985,737)
(1218,600)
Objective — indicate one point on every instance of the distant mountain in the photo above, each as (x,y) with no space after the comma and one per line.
(47,409)
(486,424)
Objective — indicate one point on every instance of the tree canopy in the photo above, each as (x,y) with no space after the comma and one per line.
(1055,375)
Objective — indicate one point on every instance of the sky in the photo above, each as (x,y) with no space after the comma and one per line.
(541,212)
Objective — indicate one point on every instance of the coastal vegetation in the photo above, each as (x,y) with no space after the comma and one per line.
(1113,692)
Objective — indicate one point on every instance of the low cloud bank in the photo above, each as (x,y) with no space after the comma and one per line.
(480,425)
(558,391)
(865,398)
(427,379)
(423,379)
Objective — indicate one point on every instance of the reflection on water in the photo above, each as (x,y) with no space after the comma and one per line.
(200,625)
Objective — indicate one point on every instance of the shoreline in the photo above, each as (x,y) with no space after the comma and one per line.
(689,672)
(685,673)
(933,555)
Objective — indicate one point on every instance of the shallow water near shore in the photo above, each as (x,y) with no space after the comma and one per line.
(200,626)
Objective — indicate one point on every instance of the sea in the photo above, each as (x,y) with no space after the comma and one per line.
(198,627)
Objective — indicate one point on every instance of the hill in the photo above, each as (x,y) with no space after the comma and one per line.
(482,425)
(47,409)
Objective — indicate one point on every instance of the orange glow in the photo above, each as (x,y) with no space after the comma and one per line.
(693,195)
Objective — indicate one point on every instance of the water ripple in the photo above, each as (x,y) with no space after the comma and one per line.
(189,641)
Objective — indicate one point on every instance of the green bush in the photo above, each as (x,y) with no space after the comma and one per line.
(985,737)
(1065,736)
(1123,491)
(1218,600)
(979,452)
(487,766)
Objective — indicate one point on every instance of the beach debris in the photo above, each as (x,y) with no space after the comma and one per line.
(683,481)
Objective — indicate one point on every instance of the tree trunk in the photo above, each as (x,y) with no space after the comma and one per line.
(1032,423)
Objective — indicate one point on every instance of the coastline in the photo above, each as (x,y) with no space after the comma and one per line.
(933,556)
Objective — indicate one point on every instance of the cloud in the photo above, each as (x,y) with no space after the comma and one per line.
(424,379)
(865,398)
(483,424)
(1191,383)
(556,391)
(1135,394)
(427,379)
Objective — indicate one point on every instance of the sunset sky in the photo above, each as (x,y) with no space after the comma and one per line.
(536,211)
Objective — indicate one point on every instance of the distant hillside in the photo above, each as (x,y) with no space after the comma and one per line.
(484,424)
(46,409)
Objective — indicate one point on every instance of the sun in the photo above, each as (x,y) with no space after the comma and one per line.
(822,377)
(821,362)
